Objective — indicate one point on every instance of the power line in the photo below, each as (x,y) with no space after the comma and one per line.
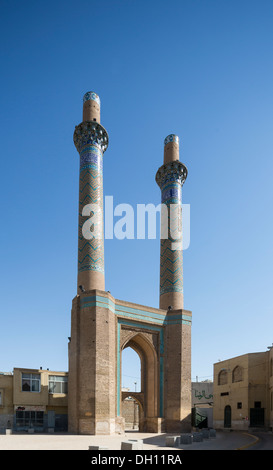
(131,376)
(201,377)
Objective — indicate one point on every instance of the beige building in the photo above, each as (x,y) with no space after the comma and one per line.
(243,392)
(33,398)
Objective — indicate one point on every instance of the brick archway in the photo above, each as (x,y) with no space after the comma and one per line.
(138,399)
(144,344)
(138,396)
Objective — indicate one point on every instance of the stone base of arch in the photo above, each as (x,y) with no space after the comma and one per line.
(154,425)
(103,426)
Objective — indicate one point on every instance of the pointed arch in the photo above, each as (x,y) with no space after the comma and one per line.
(237,374)
(148,397)
(223,377)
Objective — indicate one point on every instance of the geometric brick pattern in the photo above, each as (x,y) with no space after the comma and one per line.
(91,252)
(170,178)
(91,140)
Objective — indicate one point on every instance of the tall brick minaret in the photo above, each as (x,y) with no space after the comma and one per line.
(92,345)
(170,177)
(91,141)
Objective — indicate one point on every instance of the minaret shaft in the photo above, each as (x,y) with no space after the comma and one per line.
(170,178)
(91,141)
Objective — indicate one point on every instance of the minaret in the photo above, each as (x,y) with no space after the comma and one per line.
(92,345)
(170,177)
(91,141)
(177,336)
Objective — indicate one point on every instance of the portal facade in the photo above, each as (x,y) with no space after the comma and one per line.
(102,326)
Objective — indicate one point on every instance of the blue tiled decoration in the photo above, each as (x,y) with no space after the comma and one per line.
(91,95)
(91,252)
(90,133)
(91,157)
(170,178)
(171,138)
(171,192)
(171,268)
(91,141)
(171,172)
(171,261)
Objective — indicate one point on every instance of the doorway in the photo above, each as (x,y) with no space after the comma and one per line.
(143,379)
(131,384)
(227,416)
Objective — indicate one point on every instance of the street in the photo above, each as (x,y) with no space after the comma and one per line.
(265,441)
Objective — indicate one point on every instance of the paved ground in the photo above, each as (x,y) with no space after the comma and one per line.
(265,441)
(223,441)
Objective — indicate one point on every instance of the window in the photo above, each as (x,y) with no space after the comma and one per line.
(224,394)
(31,382)
(29,418)
(1,398)
(257,404)
(222,377)
(57,384)
(237,374)
(239,405)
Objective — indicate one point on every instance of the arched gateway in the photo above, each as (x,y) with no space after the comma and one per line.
(148,397)
(102,326)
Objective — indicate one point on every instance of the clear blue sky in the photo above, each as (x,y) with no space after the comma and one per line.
(202,69)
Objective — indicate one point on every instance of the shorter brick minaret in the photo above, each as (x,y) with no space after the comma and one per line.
(177,349)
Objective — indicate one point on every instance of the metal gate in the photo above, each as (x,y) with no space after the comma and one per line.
(198,420)
(256,417)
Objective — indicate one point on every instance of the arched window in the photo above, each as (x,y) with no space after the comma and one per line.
(237,374)
(222,377)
